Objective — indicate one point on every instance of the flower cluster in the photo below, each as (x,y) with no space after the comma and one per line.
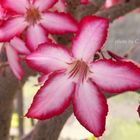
(70,75)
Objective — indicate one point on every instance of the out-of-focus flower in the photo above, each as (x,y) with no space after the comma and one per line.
(36,19)
(75,77)
(110,3)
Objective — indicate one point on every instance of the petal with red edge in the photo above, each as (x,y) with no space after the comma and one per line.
(90,37)
(115,76)
(11,28)
(19,6)
(44,4)
(90,108)
(13,60)
(35,35)
(53,97)
(48,58)
(19,46)
(58,23)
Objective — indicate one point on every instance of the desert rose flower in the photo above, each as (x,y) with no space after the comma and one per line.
(36,19)
(76,77)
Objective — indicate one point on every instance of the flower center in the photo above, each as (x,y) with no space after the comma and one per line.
(33,15)
(79,70)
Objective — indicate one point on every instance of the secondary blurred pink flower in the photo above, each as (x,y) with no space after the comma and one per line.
(109,3)
(75,77)
(36,19)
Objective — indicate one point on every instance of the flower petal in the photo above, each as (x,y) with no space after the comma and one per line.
(53,98)
(35,35)
(90,37)
(13,60)
(44,4)
(19,45)
(13,5)
(90,108)
(58,22)
(116,76)
(12,28)
(48,58)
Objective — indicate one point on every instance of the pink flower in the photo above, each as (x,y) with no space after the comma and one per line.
(33,15)
(110,3)
(75,77)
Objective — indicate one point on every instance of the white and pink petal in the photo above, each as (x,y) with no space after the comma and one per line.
(11,28)
(49,57)
(19,6)
(90,107)
(14,61)
(53,97)
(115,76)
(90,37)
(44,4)
(19,45)
(58,23)
(35,35)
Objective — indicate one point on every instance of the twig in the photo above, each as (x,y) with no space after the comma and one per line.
(119,10)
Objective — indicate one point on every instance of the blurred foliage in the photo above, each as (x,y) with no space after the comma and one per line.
(92,138)
(14,122)
(124,130)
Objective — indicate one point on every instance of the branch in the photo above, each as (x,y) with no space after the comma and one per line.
(89,9)
(49,129)
(8,89)
(119,10)
(78,11)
